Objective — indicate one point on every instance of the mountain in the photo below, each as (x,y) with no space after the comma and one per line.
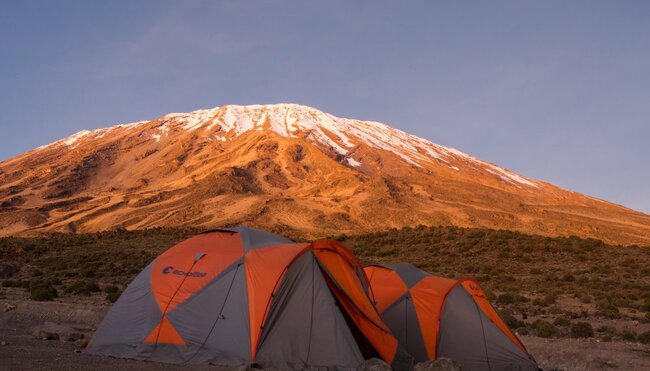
(284,166)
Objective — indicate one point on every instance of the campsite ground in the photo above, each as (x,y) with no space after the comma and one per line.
(577,304)
(20,350)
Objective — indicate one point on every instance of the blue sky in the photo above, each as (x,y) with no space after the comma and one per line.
(555,90)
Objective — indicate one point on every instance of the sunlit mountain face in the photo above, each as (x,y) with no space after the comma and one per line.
(284,166)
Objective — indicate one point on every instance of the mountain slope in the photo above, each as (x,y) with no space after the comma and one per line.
(287,166)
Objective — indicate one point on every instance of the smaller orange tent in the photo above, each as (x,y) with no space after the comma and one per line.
(436,317)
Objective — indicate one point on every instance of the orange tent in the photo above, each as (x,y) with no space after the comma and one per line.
(436,317)
(240,296)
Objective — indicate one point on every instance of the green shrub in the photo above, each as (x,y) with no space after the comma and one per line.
(585,299)
(43,292)
(523,331)
(10,283)
(512,322)
(544,329)
(510,298)
(644,338)
(568,278)
(608,310)
(82,288)
(561,321)
(582,330)
(606,329)
(112,297)
(546,301)
(628,335)
(111,289)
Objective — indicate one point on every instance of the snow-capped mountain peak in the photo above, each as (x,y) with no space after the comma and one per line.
(342,135)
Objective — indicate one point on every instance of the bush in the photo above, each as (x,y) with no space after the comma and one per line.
(606,329)
(608,310)
(544,329)
(512,322)
(561,321)
(43,292)
(546,301)
(110,289)
(568,278)
(112,297)
(644,338)
(523,331)
(82,288)
(582,330)
(510,298)
(628,335)
(10,283)
(88,272)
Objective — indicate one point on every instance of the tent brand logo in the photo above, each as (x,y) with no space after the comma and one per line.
(170,269)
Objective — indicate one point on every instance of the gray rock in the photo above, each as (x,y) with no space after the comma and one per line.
(440,364)
(9,307)
(81,343)
(375,364)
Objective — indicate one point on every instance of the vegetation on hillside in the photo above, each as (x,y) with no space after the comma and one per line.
(540,285)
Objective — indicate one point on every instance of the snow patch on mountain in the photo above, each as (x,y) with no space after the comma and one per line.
(74,138)
(509,176)
(352,162)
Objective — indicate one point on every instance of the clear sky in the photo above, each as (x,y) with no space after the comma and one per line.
(555,90)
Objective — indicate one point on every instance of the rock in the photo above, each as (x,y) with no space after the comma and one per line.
(440,364)
(73,336)
(9,307)
(375,364)
(3,343)
(81,343)
(44,335)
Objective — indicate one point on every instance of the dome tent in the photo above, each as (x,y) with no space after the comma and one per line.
(436,317)
(241,296)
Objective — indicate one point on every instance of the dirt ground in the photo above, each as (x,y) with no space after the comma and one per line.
(20,350)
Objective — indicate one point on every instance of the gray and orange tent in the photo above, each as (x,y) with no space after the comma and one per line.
(435,317)
(244,296)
